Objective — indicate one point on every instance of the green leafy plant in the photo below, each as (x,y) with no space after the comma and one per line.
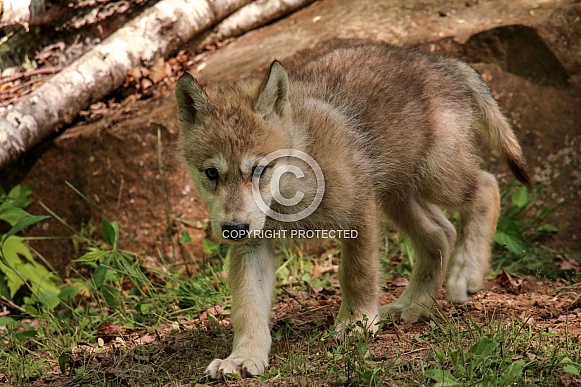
(522,237)
(353,363)
(496,351)
(480,363)
(18,268)
(508,233)
(209,287)
(112,266)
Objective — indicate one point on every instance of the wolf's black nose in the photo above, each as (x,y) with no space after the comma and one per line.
(236,231)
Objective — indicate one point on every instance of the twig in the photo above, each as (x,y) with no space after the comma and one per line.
(31,73)
(306,308)
(13,305)
(25,84)
(164,184)
(7,96)
(7,37)
(43,59)
(13,98)
(120,191)
(10,100)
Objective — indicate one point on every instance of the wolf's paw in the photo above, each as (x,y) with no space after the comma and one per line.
(405,311)
(348,320)
(219,369)
(462,284)
(364,326)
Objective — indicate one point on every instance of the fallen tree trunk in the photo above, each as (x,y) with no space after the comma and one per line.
(251,16)
(158,32)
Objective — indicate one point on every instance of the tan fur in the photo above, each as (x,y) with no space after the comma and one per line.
(392,131)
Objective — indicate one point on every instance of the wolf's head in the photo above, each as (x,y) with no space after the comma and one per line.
(226,130)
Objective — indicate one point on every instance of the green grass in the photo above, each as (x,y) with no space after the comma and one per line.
(496,351)
(64,344)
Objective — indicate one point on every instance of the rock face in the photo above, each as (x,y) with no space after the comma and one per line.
(551,22)
(519,50)
(528,51)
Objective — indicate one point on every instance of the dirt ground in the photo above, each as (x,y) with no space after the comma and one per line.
(529,52)
(546,308)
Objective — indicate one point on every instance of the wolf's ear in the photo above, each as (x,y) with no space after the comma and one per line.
(193,104)
(273,95)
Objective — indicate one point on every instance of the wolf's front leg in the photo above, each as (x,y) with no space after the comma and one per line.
(252,277)
(359,277)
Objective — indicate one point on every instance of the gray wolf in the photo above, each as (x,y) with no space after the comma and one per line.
(393,131)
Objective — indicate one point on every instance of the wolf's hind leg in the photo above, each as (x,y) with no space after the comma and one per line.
(251,274)
(432,237)
(470,261)
(359,274)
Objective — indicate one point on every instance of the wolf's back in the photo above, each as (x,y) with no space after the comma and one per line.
(354,78)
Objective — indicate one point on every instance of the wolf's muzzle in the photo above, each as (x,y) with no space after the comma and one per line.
(235,232)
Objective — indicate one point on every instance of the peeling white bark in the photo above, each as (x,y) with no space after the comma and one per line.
(14,12)
(20,12)
(254,15)
(157,32)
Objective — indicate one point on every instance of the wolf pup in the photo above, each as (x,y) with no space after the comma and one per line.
(386,131)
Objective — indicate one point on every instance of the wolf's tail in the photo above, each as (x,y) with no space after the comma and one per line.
(493,125)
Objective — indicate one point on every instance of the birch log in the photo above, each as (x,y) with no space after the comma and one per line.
(251,16)
(159,31)
(20,12)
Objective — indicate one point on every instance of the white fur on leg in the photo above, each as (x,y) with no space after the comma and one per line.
(464,279)
(219,368)
(252,276)
(359,276)
(367,318)
(432,237)
(414,304)
(470,261)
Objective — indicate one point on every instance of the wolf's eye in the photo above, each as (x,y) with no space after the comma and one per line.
(212,173)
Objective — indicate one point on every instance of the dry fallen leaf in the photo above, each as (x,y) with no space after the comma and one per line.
(107,331)
(216,310)
(134,73)
(146,339)
(158,71)
(508,283)
(566,263)
(400,282)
